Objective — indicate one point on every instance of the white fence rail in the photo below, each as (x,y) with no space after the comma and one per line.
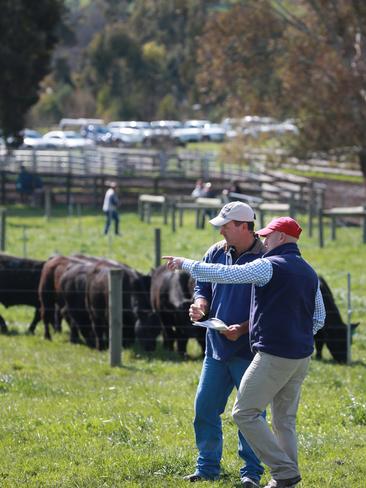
(125,161)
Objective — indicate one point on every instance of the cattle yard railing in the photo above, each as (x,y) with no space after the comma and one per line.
(337,213)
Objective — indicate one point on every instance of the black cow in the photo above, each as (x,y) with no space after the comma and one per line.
(171,297)
(50,296)
(73,295)
(136,308)
(334,332)
(19,279)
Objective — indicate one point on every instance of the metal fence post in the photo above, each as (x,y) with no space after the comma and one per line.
(115,316)
(157,247)
(349,316)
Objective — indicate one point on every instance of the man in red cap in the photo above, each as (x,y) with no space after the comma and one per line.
(287,310)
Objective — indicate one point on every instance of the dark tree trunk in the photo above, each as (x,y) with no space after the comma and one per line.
(362,159)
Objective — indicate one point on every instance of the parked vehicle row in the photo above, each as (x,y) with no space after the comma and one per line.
(89,132)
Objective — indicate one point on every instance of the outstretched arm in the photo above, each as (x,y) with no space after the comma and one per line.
(173,262)
(258,271)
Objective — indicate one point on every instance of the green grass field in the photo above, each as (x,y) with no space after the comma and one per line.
(69,420)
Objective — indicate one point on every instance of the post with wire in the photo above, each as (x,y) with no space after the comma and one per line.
(349,317)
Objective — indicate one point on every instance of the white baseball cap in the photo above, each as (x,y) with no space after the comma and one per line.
(234,211)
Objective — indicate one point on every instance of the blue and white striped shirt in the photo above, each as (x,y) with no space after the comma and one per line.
(259,272)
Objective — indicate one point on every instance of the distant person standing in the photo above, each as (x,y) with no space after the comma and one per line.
(110,208)
(199,189)
(24,184)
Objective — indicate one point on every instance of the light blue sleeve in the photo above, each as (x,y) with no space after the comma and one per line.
(259,272)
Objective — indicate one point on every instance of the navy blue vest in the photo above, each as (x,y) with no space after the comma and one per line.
(282,311)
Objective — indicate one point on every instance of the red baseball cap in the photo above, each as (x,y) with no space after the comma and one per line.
(287,225)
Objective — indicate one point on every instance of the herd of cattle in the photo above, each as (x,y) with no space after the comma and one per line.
(75,289)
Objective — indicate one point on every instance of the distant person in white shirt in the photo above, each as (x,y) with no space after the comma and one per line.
(199,190)
(110,206)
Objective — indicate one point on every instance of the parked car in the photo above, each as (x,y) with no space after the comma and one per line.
(275,128)
(197,123)
(186,134)
(213,132)
(79,123)
(125,135)
(145,130)
(32,139)
(100,134)
(66,139)
(198,130)
(165,126)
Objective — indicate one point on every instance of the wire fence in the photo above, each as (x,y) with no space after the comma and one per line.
(79,307)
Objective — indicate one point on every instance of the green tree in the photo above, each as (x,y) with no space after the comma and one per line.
(304,59)
(116,72)
(176,25)
(237,58)
(28,33)
(324,73)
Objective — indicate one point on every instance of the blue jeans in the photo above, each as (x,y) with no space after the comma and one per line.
(217,381)
(111,215)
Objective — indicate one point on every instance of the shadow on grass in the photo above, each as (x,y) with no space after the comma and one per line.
(358,363)
(332,361)
(12,332)
(163,355)
(136,351)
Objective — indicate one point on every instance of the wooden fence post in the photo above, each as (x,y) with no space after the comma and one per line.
(311,198)
(320,227)
(25,240)
(78,211)
(47,203)
(3,187)
(115,316)
(174,210)
(165,210)
(157,247)
(2,229)
(333,227)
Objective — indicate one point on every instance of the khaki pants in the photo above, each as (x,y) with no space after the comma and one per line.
(275,380)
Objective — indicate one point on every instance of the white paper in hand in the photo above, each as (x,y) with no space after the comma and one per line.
(212,323)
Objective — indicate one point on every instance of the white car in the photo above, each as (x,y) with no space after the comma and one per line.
(186,134)
(32,139)
(124,134)
(66,139)
(275,128)
(213,132)
(165,125)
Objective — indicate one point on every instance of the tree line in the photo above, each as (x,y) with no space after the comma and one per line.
(149,59)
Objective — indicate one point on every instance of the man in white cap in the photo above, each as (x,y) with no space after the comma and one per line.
(227,353)
(287,309)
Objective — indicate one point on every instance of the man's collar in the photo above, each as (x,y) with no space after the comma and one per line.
(255,248)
